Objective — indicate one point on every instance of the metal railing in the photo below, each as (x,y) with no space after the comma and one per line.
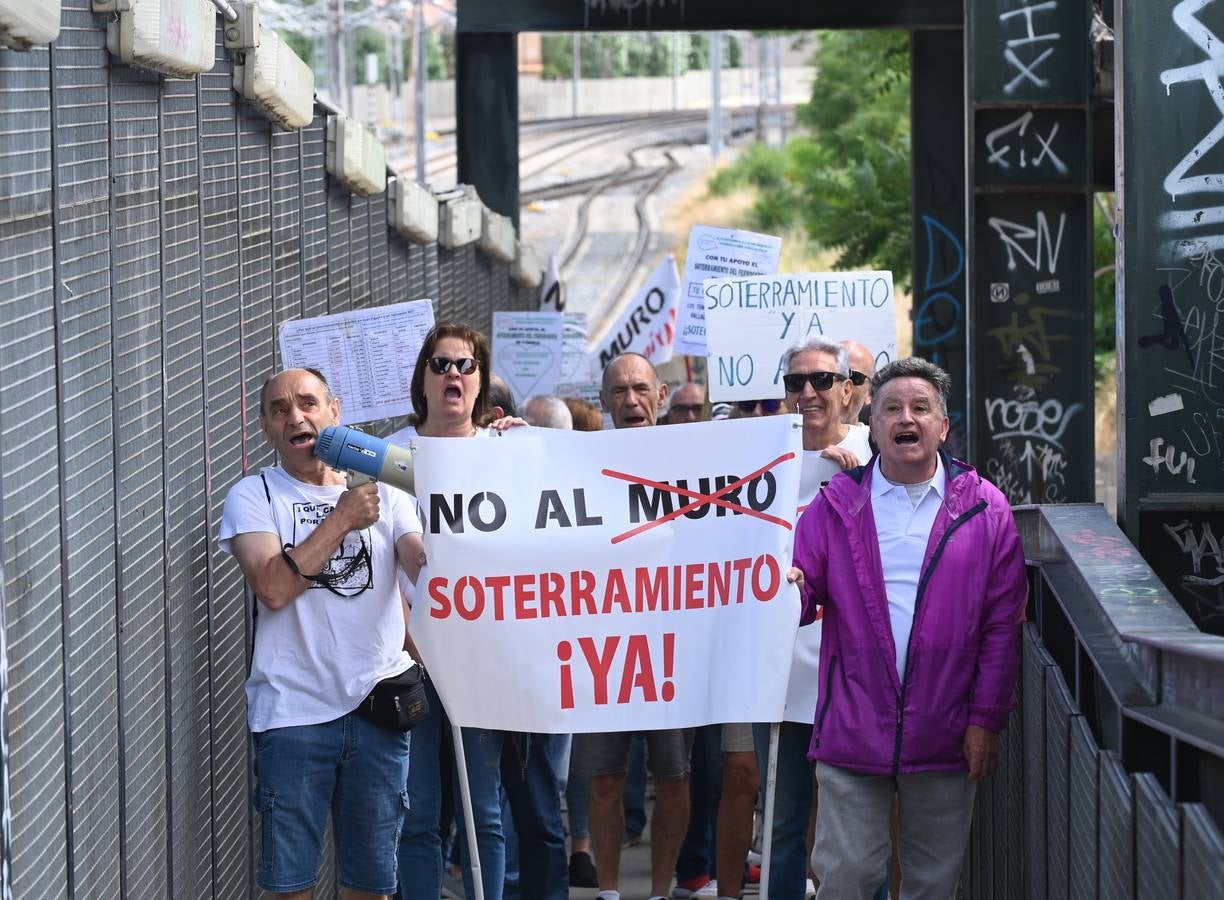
(1111,778)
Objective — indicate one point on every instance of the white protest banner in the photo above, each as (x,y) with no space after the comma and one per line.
(367,356)
(552,292)
(751,322)
(611,581)
(716,253)
(527,349)
(648,324)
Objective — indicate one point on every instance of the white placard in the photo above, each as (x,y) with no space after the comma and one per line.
(367,355)
(612,581)
(575,353)
(527,349)
(718,253)
(648,324)
(751,322)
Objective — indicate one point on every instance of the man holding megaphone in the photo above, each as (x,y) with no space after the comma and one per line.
(329,626)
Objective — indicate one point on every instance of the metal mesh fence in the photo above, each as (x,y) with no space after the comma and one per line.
(154,235)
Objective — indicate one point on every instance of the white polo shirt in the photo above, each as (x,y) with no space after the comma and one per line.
(904,515)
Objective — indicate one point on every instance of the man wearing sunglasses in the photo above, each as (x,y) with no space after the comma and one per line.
(688,404)
(862,367)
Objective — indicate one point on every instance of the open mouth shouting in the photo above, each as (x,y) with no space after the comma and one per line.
(906,437)
(302,438)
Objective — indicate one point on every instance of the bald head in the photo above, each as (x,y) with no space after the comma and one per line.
(632,393)
(861,360)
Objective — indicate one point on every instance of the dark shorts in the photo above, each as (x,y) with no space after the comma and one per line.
(607,753)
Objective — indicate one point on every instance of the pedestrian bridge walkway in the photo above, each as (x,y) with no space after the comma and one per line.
(1111,776)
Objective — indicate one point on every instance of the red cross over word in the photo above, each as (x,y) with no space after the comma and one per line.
(702,499)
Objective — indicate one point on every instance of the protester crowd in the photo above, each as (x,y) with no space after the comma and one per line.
(903,674)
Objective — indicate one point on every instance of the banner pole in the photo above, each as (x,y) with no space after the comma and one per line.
(771,784)
(469,822)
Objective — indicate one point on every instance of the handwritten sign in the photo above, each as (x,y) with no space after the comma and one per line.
(648,324)
(718,253)
(367,356)
(527,351)
(751,322)
(552,291)
(580,582)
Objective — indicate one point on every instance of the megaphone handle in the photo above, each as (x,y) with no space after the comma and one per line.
(356,479)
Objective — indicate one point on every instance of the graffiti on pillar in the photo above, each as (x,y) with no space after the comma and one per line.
(1187,552)
(1032,421)
(1031,42)
(940,317)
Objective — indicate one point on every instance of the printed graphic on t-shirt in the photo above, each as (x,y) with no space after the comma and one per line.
(349,567)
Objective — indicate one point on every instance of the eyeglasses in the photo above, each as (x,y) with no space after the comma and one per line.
(769,407)
(857,378)
(821,381)
(441,364)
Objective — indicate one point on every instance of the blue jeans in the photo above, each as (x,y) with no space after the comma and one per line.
(350,768)
(705,789)
(535,837)
(578,802)
(793,796)
(420,849)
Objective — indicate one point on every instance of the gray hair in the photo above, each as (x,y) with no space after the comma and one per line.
(915,367)
(819,345)
(544,411)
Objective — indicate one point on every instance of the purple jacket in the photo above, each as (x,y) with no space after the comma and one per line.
(964,649)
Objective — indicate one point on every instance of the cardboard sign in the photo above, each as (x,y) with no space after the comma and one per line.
(751,322)
(612,581)
(718,253)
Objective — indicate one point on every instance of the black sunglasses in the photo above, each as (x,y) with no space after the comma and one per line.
(857,378)
(821,381)
(441,364)
(769,407)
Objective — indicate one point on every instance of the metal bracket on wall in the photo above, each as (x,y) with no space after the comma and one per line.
(242,25)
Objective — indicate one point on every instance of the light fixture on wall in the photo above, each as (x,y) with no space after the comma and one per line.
(496,235)
(25,23)
(526,269)
(268,73)
(169,37)
(412,210)
(459,217)
(351,158)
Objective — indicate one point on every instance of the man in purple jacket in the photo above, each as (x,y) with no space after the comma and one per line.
(919,567)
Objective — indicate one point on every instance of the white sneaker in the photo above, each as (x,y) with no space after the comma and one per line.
(709,889)
(754,858)
(809,890)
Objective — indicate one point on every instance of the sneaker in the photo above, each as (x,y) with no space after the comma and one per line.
(809,890)
(754,858)
(582,870)
(709,889)
(752,874)
(690,886)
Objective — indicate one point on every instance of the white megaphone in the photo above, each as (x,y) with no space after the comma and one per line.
(344,447)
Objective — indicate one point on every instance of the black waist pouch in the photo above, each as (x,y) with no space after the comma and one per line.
(397,703)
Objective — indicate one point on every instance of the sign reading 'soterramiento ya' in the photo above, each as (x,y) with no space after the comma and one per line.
(752,322)
(610,581)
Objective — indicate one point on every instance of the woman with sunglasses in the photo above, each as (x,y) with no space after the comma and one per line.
(818,386)
(450,396)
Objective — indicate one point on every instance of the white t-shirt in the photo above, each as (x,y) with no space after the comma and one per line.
(317,658)
(904,530)
(803,688)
